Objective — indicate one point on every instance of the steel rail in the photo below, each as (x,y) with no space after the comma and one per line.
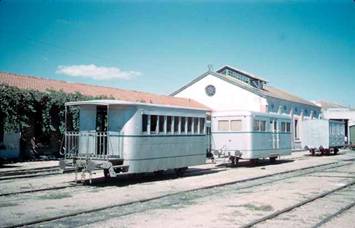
(295,206)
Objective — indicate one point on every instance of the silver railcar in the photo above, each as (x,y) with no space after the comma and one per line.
(129,137)
(250,135)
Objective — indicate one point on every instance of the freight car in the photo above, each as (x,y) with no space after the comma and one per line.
(323,136)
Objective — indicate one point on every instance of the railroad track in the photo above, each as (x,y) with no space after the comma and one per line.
(250,183)
(100,180)
(71,184)
(303,203)
(332,216)
(36,172)
(26,173)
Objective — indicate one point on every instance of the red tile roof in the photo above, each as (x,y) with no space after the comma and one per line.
(42,84)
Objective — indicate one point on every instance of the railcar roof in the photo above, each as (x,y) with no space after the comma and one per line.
(127,103)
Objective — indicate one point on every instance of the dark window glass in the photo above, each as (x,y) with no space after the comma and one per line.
(176,124)
(168,124)
(153,124)
(202,125)
(144,123)
(195,125)
(189,124)
(288,127)
(183,124)
(161,124)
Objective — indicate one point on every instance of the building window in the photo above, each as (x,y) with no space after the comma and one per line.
(236,125)
(296,129)
(210,90)
(223,125)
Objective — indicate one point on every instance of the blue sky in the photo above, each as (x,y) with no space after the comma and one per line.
(305,47)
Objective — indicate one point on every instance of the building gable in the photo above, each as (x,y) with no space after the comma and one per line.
(219,94)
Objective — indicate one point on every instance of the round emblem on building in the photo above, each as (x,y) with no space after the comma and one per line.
(210,90)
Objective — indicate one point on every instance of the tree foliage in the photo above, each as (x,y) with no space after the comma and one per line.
(43,112)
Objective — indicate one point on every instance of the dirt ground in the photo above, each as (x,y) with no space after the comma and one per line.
(245,194)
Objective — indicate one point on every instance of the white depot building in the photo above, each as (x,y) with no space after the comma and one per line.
(232,89)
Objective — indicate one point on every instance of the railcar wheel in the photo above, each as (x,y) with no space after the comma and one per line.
(313,152)
(234,161)
(273,159)
(106,173)
(254,161)
(180,171)
(158,172)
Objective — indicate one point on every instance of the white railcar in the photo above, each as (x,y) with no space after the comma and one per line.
(323,135)
(119,136)
(250,135)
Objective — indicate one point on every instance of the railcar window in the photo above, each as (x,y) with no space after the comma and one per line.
(223,125)
(288,127)
(183,125)
(196,125)
(262,125)
(256,125)
(144,123)
(202,125)
(168,124)
(153,124)
(176,124)
(259,125)
(283,127)
(161,124)
(189,124)
(236,125)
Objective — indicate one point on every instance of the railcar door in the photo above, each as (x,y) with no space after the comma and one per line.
(352,136)
(101,130)
(274,133)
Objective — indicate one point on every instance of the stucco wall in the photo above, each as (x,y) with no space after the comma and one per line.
(227,96)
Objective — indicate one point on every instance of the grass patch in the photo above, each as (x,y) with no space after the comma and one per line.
(256,208)
(7,204)
(56,195)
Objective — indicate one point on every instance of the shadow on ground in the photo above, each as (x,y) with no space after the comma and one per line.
(149,178)
(256,163)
